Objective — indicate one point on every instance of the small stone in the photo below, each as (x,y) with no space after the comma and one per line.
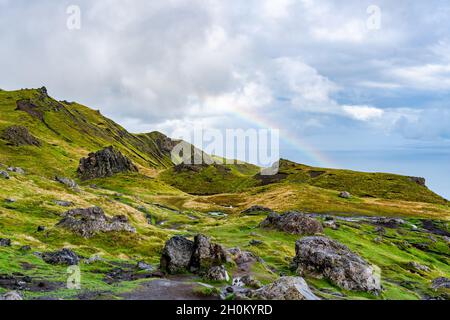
(256,243)
(4,174)
(141,265)
(67,182)
(63,203)
(25,248)
(217,273)
(345,195)
(41,229)
(10,200)
(16,170)
(5,242)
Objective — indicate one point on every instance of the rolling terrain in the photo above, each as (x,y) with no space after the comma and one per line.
(41,139)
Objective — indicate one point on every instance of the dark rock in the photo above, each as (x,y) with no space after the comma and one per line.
(63,257)
(63,203)
(19,136)
(256,209)
(285,288)
(88,222)
(345,195)
(104,163)
(207,254)
(198,256)
(256,243)
(41,229)
(314,174)
(4,174)
(217,273)
(25,248)
(176,255)
(420,181)
(391,223)
(5,242)
(10,200)
(16,170)
(67,182)
(321,256)
(293,223)
(251,282)
(414,266)
(380,230)
(441,283)
(12,295)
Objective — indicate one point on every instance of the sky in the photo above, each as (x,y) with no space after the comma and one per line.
(353,84)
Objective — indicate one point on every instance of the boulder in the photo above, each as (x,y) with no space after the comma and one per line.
(67,182)
(207,254)
(176,255)
(293,223)
(345,195)
(217,273)
(104,163)
(441,283)
(88,222)
(285,288)
(4,174)
(19,136)
(5,242)
(256,209)
(11,296)
(198,256)
(64,257)
(323,257)
(16,170)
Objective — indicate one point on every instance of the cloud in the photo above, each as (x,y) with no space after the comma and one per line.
(363,113)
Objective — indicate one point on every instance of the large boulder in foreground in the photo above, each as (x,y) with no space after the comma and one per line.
(199,256)
(104,163)
(323,257)
(19,136)
(285,288)
(88,222)
(293,223)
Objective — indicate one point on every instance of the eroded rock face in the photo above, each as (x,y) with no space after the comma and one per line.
(285,288)
(20,136)
(63,257)
(198,256)
(176,255)
(104,163)
(206,254)
(323,257)
(88,222)
(293,223)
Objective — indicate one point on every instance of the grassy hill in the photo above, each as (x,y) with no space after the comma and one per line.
(163,200)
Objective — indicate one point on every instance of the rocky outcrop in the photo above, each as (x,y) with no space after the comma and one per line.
(419,180)
(206,254)
(345,195)
(323,257)
(11,296)
(20,136)
(104,163)
(176,255)
(285,288)
(293,223)
(5,242)
(198,256)
(64,257)
(256,209)
(90,221)
(67,182)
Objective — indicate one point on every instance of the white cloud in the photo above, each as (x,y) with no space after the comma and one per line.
(363,113)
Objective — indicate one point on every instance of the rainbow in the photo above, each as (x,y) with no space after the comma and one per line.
(314,156)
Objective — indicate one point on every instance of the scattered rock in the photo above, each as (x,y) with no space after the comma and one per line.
(441,283)
(63,203)
(141,265)
(93,259)
(11,296)
(256,209)
(293,223)
(5,242)
(331,224)
(391,223)
(88,222)
(63,257)
(285,288)
(67,182)
(10,200)
(4,174)
(380,230)
(345,195)
(250,282)
(198,256)
(217,273)
(16,170)
(104,163)
(255,243)
(321,256)
(176,255)
(414,266)
(242,257)
(25,248)
(40,228)
(19,136)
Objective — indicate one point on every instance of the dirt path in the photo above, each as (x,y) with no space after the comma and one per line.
(166,289)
